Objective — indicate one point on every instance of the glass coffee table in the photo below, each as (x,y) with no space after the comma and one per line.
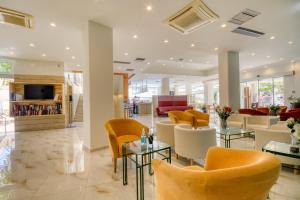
(142,156)
(232,133)
(282,149)
(279,148)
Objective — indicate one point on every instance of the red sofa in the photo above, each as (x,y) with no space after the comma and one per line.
(251,112)
(265,110)
(295,113)
(171,103)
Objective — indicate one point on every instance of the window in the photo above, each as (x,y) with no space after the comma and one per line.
(265,92)
(5,67)
(144,89)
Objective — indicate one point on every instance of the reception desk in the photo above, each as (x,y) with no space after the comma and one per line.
(144,108)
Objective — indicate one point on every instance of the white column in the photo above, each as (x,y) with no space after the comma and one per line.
(229,79)
(97,84)
(208,92)
(165,86)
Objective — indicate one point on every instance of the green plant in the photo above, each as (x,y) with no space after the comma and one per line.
(274,108)
(294,99)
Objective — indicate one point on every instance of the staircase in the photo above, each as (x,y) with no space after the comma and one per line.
(79,110)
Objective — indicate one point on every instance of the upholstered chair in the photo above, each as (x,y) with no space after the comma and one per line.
(228,174)
(237,120)
(201,118)
(255,122)
(121,131)
(181,117)
(165,132)
(193,143)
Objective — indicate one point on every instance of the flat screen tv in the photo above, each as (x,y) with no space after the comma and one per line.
(34,91)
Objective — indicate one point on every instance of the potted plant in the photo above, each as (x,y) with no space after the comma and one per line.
(294,101)
(224,113)
(274,109)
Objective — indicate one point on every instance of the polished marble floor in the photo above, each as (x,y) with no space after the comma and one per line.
(51,165)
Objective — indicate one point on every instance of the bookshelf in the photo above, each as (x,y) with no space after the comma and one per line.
(39,114)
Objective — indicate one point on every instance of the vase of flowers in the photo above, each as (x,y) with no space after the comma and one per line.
(224,113)
(294,125)
(274,109)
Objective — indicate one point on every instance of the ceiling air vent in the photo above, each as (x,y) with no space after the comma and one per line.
(140,59)
(192,17)
(129,70)
(244,16)
(121,62)
(8,16)
(248,32)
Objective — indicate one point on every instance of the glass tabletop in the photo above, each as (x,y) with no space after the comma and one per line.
(135,147)
(280,149)
(233,131)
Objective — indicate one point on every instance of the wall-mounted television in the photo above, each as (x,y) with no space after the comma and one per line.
(34,91)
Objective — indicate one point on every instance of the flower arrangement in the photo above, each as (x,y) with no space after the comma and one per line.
(291,122)
(295,101)
(223,112)
(274,109)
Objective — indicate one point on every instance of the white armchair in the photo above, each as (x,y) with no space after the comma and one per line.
(193,143)
(263,136)
(165,132)
(237,120)
(257,122)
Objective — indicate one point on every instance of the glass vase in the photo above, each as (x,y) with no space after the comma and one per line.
(223,123)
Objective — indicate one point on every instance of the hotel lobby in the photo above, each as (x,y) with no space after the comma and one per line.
(149,99)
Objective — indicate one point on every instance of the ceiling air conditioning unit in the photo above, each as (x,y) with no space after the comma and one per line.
(8,16)
(193,16)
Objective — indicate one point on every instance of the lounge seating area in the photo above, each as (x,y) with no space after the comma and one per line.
(140,100)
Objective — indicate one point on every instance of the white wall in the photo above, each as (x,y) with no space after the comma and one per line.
(35,67)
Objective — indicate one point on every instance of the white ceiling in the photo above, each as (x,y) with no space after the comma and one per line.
(279,18)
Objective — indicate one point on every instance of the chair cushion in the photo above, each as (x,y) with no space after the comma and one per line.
(201,122)
(125,138)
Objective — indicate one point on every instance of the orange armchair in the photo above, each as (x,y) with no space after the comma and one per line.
(202,119)
(121,131)
(229,174)
(181,117)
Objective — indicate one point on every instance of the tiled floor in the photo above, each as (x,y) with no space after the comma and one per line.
(51,165)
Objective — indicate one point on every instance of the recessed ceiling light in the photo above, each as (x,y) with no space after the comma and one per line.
(280,58)
(253,54)
(166,41)
(135,36)
(223,25)
(142,69)
(191,60)
(67,48)
(52,24)
(44,55)
(73,57)
(268,56)
(292,61)
(77,65)
(216,49)
(119,68)
(12,53)
(12,48)
(126,54)
(192,45)
(164,64)
(272,37)
(149,7)
(207,62)
(31,45)
(290,42)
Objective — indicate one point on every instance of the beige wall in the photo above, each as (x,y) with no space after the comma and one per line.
(36,67)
